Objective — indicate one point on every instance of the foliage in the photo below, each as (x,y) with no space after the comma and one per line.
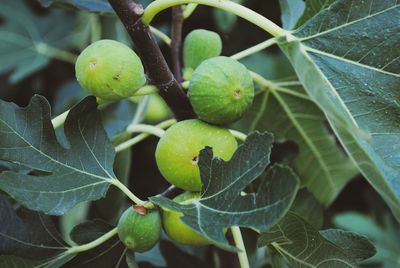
(326,110)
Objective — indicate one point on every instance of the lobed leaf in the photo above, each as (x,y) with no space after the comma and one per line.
(301,245)
(67,176)
(348,60)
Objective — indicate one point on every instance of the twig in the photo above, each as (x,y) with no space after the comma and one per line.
(176,36)
(158,72)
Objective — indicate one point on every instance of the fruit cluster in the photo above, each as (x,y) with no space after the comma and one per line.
(220,91)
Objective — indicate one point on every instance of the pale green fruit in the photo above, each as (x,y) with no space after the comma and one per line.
(198,46)
(139,229)
(176,229)
(221,90)
(178,150)
(109,70)
(157,110)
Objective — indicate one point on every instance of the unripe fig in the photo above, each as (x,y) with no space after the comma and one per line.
(109,70)
(157,110)
(176,229)
(139,228)
(178,150)
(221,90)
(198,46)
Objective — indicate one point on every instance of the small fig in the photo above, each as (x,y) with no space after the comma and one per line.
(176,229)
(221,90)
(109,70)
(178,150)
(157,110)
(198,46)
(139,228)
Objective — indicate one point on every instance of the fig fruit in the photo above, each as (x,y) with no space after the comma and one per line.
(157,109)
(139,228)
(177,151)
(109,70)
(221,90)
(176,229)
(198,46)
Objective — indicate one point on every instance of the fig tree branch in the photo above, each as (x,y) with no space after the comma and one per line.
(157,70)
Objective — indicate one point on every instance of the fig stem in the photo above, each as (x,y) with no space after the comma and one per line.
(238,135)
(157,69)
(188,10)
(127,144)
(176,44)
(165,38)
(93,244)
(242,255)
(149,129)
(157,6)
(129,194)
(254,49)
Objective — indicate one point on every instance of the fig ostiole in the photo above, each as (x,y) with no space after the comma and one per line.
(177,152)
(221,90)
(109,70)
(198,46)
(139,228)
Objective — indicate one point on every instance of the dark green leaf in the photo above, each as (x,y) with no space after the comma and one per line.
(306,206)
(80,173)
(109,254)
(90,5)
(386,238)
(312,8)
(26,38)
(291,12)
(101,6)
(27,234)
(225,20)
(356,245)
(348,59)
(17,262)
(289,113)
(302,245)
(222,205)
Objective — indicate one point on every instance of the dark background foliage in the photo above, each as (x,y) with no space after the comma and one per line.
(55,82)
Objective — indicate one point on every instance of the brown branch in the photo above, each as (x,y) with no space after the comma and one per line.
(157,70)
(176,36)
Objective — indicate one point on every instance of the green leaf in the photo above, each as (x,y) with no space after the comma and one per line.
(312,8)
(26,38)
(386,237)
(27,234)
(288,112)
(291,12)
(222,205)
(357,246)
(90,5)
(101,6)
(68,176)
(301,245)
(109,254)
(17,262)
(348,60)
(225,20)
(309,208)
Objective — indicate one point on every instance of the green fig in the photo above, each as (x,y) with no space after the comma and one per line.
(178,150)
(109,70)
(139,228)
(198,46)
(221,90)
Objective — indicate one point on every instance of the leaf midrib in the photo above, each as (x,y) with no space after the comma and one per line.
(302,133)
